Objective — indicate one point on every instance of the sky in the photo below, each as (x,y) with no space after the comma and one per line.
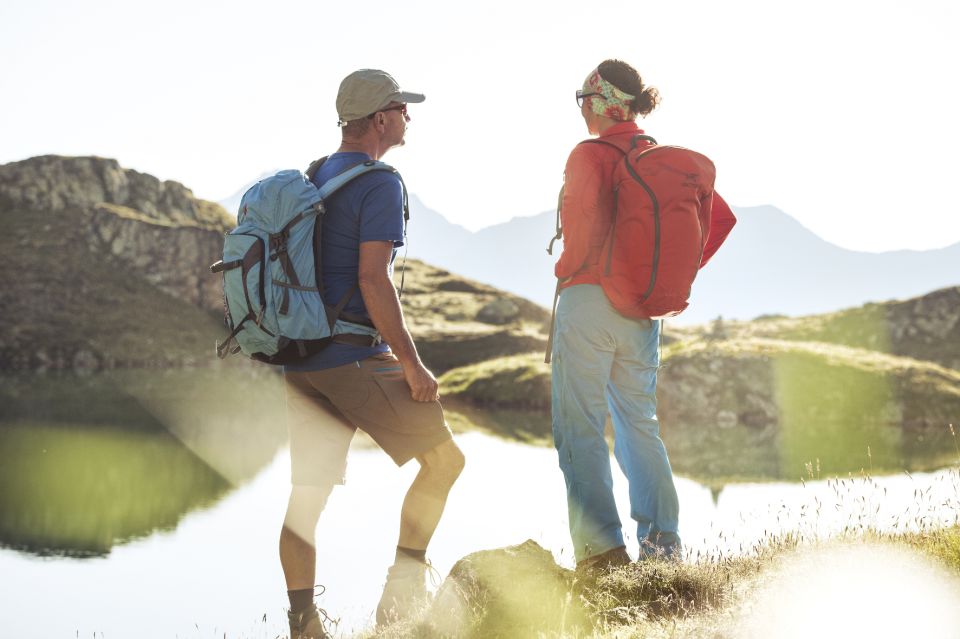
(842,113)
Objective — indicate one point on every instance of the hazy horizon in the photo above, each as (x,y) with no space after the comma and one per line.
(837,114)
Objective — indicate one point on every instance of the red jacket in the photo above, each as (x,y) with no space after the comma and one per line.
(587,208)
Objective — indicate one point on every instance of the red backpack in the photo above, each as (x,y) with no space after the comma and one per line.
(661,219)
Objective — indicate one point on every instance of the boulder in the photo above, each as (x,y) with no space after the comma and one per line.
(517,591)
(501,311)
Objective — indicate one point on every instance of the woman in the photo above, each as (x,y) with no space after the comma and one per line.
(604,361)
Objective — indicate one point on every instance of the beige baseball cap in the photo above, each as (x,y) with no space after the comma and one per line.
(368,90)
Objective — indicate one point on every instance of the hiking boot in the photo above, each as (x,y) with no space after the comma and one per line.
(306,624)
(404,593)
(604,562)
(671,551)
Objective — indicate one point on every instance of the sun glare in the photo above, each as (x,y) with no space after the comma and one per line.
(855,591)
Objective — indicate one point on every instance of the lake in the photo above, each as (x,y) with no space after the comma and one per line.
(149,505)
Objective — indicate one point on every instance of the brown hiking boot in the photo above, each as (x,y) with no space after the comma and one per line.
(306,624)
(604,562)
(667,552)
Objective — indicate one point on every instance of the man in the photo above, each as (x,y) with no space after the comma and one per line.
(605,362)
(384,388)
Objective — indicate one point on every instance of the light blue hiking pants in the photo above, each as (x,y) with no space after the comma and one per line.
(604,362)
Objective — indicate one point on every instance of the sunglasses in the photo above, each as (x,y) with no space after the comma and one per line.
(402,108)
(581,95)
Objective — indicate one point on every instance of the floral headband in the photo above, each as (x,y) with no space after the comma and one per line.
(615,103)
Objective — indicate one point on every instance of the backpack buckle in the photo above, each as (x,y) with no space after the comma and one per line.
(278,246)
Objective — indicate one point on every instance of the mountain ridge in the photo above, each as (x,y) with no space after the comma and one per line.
(770,264)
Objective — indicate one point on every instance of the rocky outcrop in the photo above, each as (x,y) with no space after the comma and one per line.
(54,183)
(156,229)
(518,591)
(928,327)
(724,390)
(175,259)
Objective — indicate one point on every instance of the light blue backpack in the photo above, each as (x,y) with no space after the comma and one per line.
(272,271)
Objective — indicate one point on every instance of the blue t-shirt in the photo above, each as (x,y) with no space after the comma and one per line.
(368,209)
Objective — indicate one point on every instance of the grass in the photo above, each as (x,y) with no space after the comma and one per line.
(720,597)
(516,381)
(707,598)
(717,595)
(919,327)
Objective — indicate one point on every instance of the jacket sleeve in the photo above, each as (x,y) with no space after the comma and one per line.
(580,208)
(721,223)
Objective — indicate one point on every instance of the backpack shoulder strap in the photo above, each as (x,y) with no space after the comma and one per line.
(634,142)
(641,137)
(346,176)
(605,143)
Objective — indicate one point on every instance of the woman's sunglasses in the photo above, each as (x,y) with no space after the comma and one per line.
(581,95)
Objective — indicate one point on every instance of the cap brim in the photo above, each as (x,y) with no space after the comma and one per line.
(410,98)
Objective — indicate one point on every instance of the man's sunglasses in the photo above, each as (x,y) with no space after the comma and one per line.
(581,95)
(402,108)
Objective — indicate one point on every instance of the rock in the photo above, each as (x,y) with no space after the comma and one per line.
(460,286)
(927,327)
(708,389)
(502,311)
(85,363)
(517,591)
(726,419)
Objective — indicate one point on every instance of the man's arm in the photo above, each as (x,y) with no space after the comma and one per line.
(383,305)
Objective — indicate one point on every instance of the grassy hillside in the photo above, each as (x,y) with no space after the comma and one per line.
(446,316)
(925,328)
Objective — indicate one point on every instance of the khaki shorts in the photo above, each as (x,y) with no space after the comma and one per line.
(325,407)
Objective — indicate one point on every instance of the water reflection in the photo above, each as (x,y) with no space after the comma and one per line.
(72,489)
(509,492)
(808,443)
(90,462)
(804,448)
(830,420)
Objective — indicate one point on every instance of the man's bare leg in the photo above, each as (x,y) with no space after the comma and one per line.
(298,553)
(427,496)
(298,557)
